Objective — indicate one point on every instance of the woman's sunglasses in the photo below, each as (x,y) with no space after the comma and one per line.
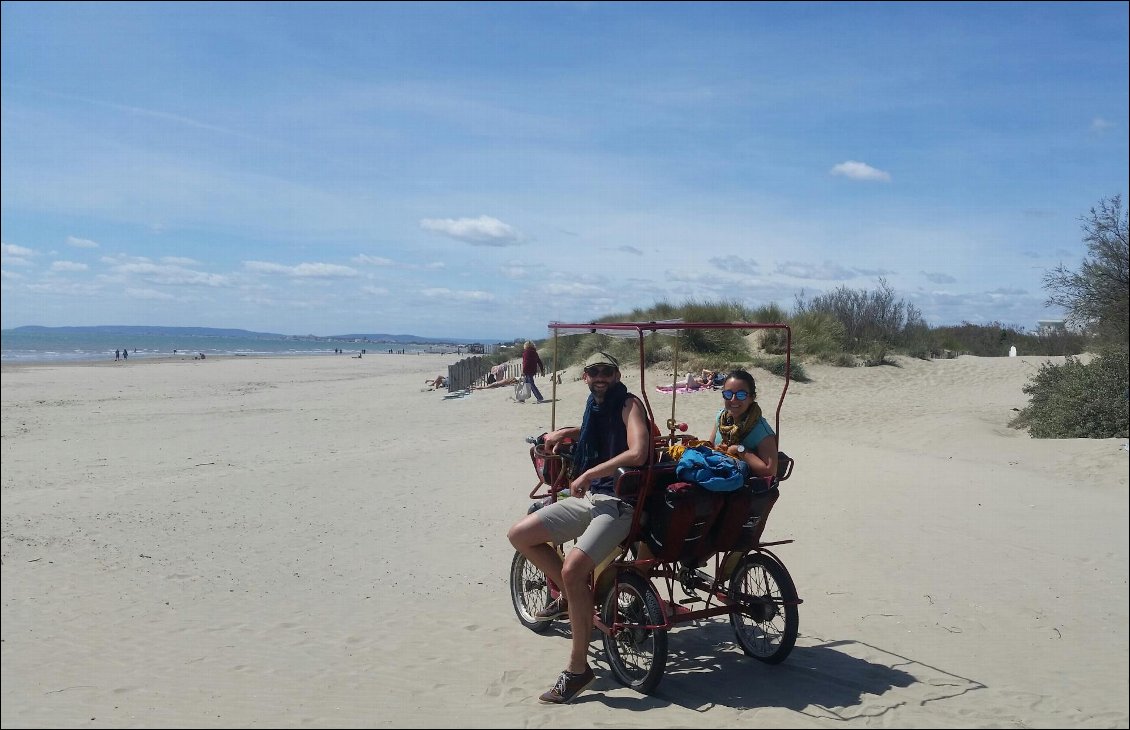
(731,394)
(600,371)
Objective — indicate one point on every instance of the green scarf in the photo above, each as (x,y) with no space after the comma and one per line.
(734,433)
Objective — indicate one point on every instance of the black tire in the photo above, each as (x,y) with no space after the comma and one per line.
(637,656)
(767,626)
(529,592)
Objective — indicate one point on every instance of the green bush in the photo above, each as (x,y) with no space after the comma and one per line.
(1074,400)
(776,365)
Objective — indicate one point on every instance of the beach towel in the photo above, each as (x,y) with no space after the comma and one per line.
(679,389)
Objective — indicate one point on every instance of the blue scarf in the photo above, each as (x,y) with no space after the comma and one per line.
(598,420)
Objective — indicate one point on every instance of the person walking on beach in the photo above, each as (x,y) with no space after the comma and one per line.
(125,354)
(531,365)
(117,355)
(614,433)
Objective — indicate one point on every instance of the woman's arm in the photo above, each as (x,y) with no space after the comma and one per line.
(763,461)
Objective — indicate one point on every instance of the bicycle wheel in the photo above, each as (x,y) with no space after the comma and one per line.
(529,592)
(767,626)
(637,655)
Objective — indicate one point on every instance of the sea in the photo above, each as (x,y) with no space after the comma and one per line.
(55,347)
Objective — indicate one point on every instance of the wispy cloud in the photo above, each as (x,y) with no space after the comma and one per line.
(81,242)
(481,231)
(829,270)
(68,266)
(302,271)
(860,171)
(366,259)
(149,295)
(737,265)
(1098,124)
(13,250)
(466,295)
(937,278)
(165,274)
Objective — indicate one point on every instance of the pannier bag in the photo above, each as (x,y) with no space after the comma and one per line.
(679,520)
(742,521)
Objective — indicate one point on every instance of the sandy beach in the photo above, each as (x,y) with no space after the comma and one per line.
(320,542)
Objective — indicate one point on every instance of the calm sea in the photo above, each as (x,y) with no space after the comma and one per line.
(47,347)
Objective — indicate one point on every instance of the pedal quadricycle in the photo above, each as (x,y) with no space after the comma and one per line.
(691,553)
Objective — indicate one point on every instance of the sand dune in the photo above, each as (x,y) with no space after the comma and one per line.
(316,541)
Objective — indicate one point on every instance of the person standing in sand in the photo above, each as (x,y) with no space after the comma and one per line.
(532,365)
(614,433)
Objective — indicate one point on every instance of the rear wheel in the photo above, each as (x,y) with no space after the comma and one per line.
(768,622)
(637,654)
(529,591)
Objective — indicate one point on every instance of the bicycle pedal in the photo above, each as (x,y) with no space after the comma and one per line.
(692,599)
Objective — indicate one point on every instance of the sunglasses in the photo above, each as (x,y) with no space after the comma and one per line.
(601,371)
(731,394)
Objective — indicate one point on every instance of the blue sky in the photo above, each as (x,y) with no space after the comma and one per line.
(478,170)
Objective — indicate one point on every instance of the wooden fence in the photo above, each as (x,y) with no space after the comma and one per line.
(473,371)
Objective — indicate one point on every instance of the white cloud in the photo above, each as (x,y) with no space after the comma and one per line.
(302,271)
(828,270)
(376,291)
(630,249)
(515,272)
(149,294)
(860,171)
(481,231)
(13,250)
(176,275)
(1098,124)
(466,295)
(372,260)
(179,261)
(68,266)
(81,242)
(741,266)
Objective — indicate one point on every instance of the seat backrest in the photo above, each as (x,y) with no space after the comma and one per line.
(679,519)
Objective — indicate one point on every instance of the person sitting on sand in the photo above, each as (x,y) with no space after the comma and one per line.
(501,383)
(439,382)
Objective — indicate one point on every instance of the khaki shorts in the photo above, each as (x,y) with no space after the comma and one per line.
(598,522)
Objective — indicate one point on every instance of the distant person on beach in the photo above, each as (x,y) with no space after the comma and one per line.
(613,433)
(125,354)
(705,380)
(496,384)
(117,355)
(439,382)
(532,365)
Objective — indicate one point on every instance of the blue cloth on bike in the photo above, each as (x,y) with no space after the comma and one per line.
(711,470)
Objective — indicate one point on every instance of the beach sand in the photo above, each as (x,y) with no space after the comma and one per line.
(319,541)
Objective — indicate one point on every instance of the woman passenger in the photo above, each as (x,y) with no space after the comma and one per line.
(741,431)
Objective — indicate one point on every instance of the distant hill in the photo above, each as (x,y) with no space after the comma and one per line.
(218,332)
(146,330)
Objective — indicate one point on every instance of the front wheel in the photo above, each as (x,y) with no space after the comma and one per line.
(529,592)
(767,625)
(636,648)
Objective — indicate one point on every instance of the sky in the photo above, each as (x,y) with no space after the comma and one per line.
(481,169)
